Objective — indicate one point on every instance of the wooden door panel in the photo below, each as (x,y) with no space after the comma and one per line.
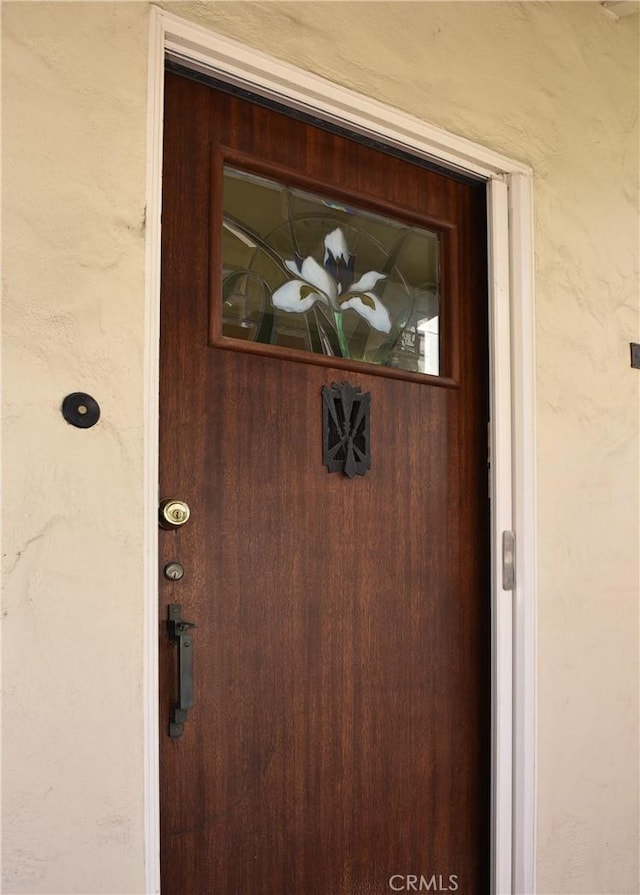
(341,724)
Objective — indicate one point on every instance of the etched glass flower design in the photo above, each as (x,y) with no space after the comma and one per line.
(332,283)
(302,271)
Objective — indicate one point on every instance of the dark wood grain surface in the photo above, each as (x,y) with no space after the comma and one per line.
(342,720)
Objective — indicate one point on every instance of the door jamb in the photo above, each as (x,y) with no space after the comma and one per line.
(512,394)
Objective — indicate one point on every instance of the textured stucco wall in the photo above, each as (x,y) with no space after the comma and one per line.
(555,85)
(74,122)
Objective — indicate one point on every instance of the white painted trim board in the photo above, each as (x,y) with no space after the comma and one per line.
(153,234)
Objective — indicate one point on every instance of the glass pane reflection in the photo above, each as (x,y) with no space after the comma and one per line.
(302,271)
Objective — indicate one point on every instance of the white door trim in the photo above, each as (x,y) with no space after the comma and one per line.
(509,199)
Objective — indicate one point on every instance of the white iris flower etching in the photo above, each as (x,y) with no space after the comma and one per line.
(333,284)
(302,272)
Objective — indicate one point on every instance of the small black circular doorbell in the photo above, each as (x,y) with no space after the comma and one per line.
(81,410)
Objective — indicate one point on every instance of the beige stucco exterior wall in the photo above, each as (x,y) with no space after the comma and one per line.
(555,85)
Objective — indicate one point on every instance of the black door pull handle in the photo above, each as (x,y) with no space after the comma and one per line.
(179,632)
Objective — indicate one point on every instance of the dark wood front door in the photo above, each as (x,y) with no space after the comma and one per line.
(340,737)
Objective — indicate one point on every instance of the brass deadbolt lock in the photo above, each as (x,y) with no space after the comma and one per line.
(173,513)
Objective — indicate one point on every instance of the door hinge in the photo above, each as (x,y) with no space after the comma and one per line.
(508,560)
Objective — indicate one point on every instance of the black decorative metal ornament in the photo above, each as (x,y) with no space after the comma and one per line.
(345,429)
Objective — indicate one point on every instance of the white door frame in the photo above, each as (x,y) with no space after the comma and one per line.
(512,396)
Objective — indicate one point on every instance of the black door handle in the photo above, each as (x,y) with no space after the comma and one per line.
(179,632)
